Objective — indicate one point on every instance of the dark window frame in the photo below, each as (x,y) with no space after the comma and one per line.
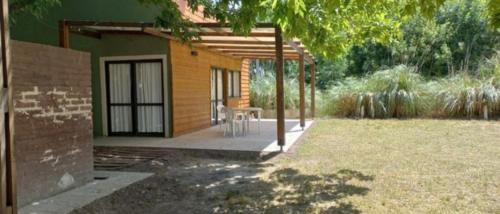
(134,104)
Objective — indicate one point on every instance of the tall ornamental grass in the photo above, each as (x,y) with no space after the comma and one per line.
(470,97)
(385,94)
(396,93)
(263,92)
(463,96)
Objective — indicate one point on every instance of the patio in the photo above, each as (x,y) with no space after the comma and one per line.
(212,139)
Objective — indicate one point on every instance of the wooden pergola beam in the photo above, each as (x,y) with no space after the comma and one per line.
(254,56)
(265,53)
(150,24)
(268,57)
(313,88)
(301,51)
(85,32)
(256,51)
(236,42)
(249,47)
(230,34)
(63,34)
(302,92)
(110,24)
(280,97)
(227,25)
(155,32)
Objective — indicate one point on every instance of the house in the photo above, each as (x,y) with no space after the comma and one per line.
(115,51)
(118,75)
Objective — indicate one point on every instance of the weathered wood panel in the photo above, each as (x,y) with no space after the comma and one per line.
(52,98)
(191,85)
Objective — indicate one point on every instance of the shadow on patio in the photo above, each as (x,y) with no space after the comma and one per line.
(212,139)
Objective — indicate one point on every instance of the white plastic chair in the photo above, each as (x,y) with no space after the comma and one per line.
(221,110)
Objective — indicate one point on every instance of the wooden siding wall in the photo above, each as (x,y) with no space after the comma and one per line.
(244,100)
(191,86)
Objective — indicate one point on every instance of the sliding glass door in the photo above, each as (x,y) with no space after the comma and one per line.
(135,98)
(217,94)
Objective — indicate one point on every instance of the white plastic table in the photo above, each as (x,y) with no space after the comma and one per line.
(247,111)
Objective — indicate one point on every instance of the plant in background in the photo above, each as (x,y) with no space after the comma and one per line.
(339,99)
(465,96)
(490,68)
(392,93)
(263,92)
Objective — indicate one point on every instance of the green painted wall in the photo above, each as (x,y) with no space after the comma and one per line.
(25,27)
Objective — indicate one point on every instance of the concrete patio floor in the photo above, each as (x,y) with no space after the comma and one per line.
(212,138)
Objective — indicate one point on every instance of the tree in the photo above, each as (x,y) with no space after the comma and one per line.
(329,71)
(456,40)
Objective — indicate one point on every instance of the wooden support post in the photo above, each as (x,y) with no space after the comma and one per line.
(302,92)
(280,96)
(313,89)
(63,34)
(8,196)
(225,88)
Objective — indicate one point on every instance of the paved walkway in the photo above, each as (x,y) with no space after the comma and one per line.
(68,201)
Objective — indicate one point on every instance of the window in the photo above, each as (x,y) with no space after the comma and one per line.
(234,83)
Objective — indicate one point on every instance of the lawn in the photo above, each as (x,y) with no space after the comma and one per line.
(401,166)
(339,166)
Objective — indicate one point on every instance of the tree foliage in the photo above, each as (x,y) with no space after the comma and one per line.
(327,27)
(458,39)
(36,7)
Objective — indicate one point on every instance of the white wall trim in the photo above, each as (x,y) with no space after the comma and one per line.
(102,74)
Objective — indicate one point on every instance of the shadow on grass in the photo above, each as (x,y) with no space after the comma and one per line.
(288,191)
(235,187)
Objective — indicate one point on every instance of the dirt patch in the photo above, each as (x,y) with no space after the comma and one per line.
(187,184)
(181,184)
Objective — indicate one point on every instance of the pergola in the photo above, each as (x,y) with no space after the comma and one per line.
(265,41)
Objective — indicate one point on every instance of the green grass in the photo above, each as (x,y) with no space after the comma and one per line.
(395,166)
